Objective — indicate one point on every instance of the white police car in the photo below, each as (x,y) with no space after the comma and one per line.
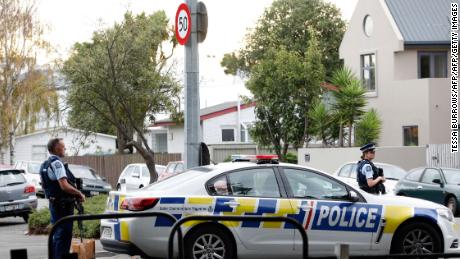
(331,211)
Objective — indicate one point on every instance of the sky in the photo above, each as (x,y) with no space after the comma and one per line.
(71,21)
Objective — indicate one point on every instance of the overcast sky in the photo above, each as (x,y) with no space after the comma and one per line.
(73,21)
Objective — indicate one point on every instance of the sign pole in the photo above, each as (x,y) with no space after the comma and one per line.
(192,93)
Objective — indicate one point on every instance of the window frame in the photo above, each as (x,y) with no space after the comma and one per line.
(431,54)
(276,170)
(441,176)
(362,69)
(292,196)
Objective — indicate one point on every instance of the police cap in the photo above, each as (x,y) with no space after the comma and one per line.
(367,147)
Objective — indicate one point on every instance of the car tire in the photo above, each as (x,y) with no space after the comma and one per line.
(118,187)
(196,243)
(141,186)
(451,203)
(26,217)
(418,238)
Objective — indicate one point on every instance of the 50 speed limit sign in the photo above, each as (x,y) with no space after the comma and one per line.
(183,24)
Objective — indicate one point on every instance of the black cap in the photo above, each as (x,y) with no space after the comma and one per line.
(367,147)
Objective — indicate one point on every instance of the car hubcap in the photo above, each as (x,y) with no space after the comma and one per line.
(208,246)
(418,242)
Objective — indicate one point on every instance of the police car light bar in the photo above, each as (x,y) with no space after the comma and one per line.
(259,159)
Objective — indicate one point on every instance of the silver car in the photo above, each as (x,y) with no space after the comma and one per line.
(17,196)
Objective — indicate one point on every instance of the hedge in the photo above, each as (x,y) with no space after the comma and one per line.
(39,221)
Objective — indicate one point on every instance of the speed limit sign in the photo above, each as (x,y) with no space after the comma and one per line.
(183,24)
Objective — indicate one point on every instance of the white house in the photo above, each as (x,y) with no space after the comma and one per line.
(400,49)
(34,146)
(225,123)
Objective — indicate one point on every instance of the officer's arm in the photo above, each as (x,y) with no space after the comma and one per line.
(66,187)
(372,183)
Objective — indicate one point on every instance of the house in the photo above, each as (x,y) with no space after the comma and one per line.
(225,123)
(34,146)
(400,49)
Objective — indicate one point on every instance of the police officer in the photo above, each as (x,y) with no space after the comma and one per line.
(368,174)
(60,188)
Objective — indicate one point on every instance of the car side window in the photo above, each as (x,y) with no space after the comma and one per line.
(430,175)
(179,168)
(136,172)
(127,172)
(170,168)
(219,186)
(311,185)
(145,172)
(414,175)
(345,171)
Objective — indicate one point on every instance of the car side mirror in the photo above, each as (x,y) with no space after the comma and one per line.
(104,179)
(353,196)
(437,181)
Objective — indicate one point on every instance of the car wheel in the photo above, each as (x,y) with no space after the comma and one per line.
(451,203)
(417,238)
(209,242)
(141,186)
(118,187)
(26,217)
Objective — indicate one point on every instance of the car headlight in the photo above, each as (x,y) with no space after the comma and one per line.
(446,213)
(84,185)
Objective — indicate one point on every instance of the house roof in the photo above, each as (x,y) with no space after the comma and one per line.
(210,112)
(64,129)
(422,22)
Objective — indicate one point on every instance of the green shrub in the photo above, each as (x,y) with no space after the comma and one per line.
(291,158)
(39,221)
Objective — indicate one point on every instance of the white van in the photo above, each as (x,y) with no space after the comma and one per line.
(136,176)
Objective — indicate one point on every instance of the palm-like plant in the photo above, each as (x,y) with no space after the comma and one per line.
(321,120)
(368,128)
(350,101)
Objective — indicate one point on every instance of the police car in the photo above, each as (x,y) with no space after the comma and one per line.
(331,211)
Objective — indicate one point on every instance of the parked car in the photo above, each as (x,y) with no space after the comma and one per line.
(440,185)
(17,195)
(172,168)
(393,174)
(136,176)
(92,183)
(32,173)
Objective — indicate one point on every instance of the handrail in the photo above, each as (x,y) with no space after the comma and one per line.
(179,223)
(103,216)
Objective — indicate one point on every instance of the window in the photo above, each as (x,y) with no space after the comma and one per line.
(432,64)
(219,186)
(430,175)
(452,176)
(414,175)
(368,25)
(128,171)
(310,185)
(179,168)
(228,135)
(410,135)
(244,133)
(33,168)
(136,173)
(11,178)
(368,72)
(145,172)
(160,142)
(170,168)
(345,171)
(260,182)
(39,152)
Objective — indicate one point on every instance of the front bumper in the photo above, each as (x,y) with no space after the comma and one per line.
(18,207)
(121,247)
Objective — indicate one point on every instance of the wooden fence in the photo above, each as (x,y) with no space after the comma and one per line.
(111,166)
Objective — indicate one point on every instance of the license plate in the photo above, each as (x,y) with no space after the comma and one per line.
(107,233)
(94,193)
(11,207)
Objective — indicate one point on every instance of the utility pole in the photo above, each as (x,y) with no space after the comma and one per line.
(192,92)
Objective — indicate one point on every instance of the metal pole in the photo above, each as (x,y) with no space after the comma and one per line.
(192,93)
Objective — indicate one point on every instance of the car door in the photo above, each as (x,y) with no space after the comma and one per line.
(430,186)
(127,176)
(323,206)
(136,177)
(408,185)
(145,175)
(347,175)
(255,191)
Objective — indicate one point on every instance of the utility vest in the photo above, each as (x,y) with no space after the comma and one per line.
(362,180)
(52,189)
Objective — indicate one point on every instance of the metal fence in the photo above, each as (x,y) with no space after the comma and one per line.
(439,155)
(111,166)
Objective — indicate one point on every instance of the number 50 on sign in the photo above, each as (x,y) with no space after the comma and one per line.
(183,24)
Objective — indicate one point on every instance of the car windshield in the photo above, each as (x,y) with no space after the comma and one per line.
(393,172)
(174,180)
(82,172)
(8,178)
(452,176)
(33,168)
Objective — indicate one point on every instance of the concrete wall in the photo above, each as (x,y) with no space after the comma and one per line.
(176,139)
(76,144)
(330,159)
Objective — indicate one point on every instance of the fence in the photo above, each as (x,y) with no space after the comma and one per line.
(111,166)
(440,156)
(220,152)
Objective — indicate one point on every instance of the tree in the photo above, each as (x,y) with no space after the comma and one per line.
(26,91)
(289,23)
(350,101)
(123,76)
(284,86)
(322,123)
(368,129)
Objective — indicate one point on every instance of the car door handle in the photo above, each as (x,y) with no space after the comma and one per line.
(305,207)
(232,204)
(419,187)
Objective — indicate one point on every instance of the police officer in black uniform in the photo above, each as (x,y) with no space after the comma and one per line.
(59,185)
(369,177)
